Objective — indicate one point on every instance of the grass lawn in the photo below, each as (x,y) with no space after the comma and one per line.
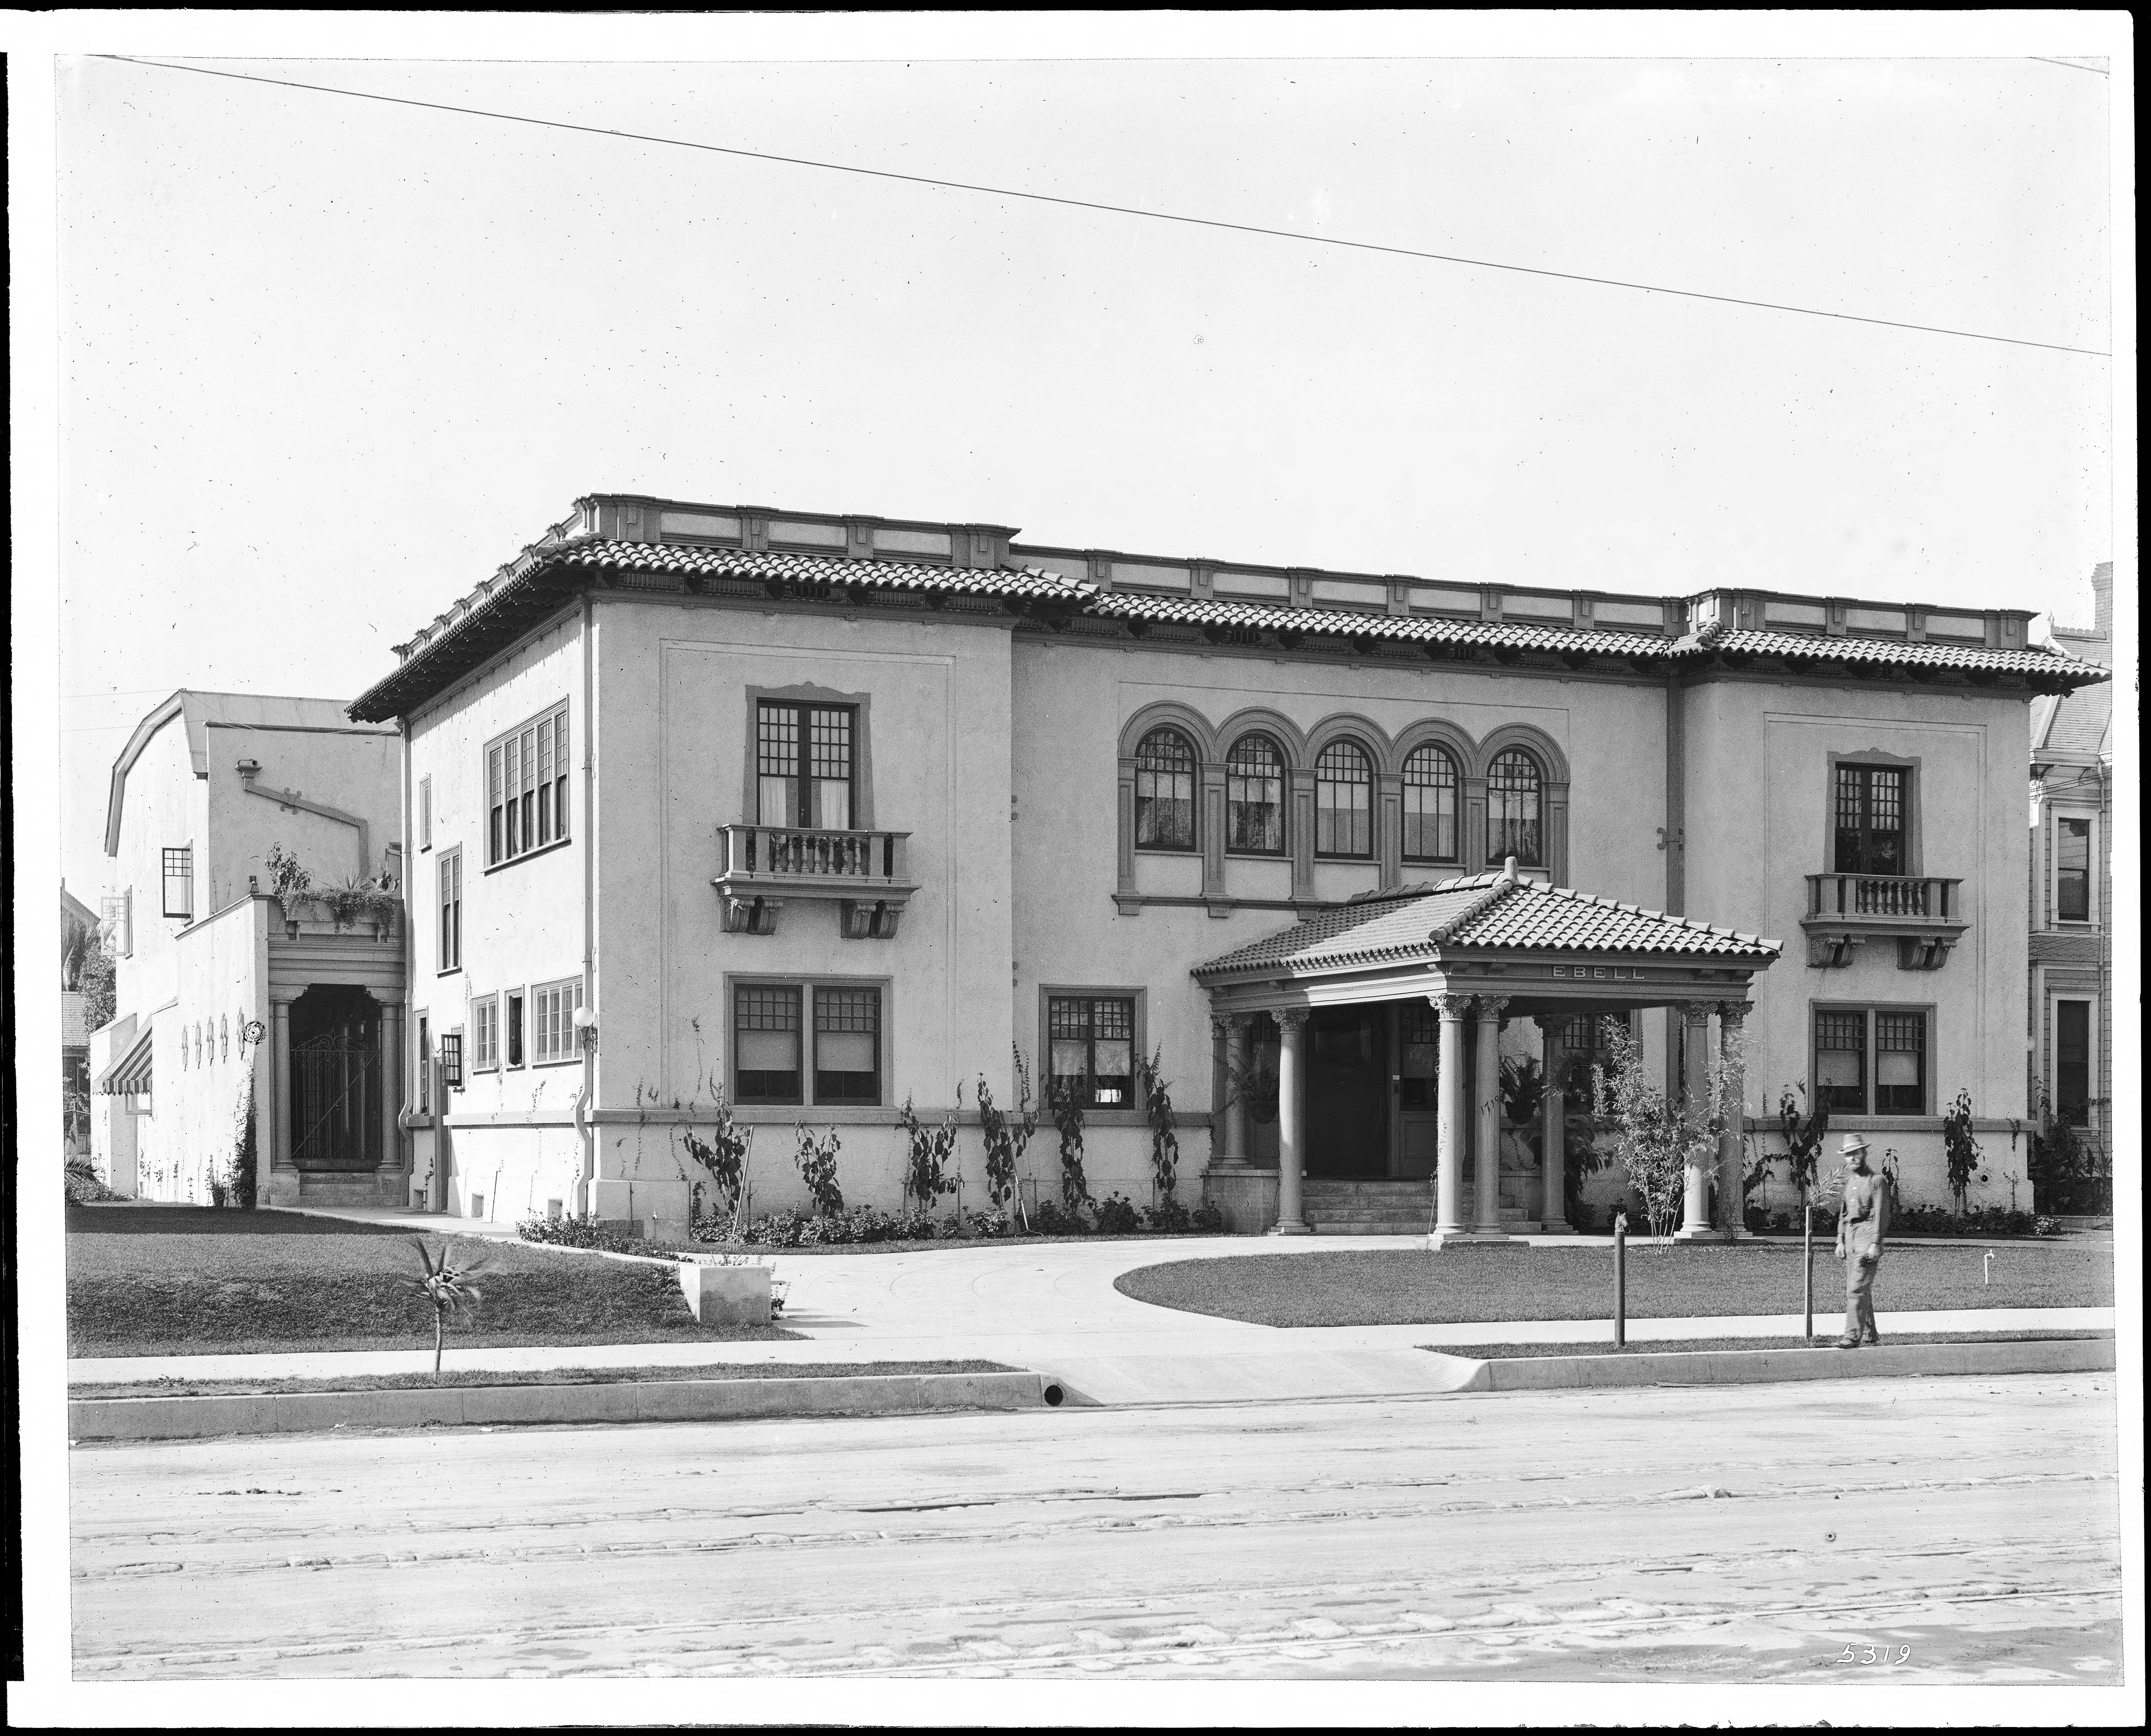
(1822,1341)
(182,1387)
(1413,1287)
(176,1280)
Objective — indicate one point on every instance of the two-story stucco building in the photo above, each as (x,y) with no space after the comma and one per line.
(831,812)
(217,990)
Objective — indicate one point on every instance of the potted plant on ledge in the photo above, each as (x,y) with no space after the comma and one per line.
(291,885)
(362,899)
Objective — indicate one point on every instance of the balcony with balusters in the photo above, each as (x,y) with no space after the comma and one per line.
(1924,914)
(764,868)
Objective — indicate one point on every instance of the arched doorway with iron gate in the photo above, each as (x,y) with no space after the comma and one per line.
(336,1081)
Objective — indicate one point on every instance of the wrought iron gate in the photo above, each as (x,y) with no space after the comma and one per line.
(335,1105)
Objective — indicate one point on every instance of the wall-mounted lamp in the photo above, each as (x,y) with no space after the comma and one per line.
(586,1026)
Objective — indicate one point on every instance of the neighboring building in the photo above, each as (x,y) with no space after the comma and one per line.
(206,785)
(830,812)
(78,933)
(2072,900)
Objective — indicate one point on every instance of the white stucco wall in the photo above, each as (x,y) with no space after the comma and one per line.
(220,984)
(1759,822)
(359,771)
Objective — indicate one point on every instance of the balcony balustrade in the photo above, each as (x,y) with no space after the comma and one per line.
(765,867)
(1923,912)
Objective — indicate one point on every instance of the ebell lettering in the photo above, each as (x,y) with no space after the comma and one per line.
(1603,973)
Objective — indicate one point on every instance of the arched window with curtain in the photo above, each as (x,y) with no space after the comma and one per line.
(1344,800)
(1254,797)
(1513,824)
(1164,792)
(1429,806)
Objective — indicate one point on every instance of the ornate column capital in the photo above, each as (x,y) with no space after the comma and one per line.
(1732,1012)
(1221,1027)
(1291,1020)
(1450,1006)
(1696,1014)
(1490,1005)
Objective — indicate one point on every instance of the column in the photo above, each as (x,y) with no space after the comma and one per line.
(1553,1108)
(1695,1093)
(1292,1078)
(1486,1171)
(280,1093)
(391,1099)
(1732,1148)
(1449,1088)
(1235,1155)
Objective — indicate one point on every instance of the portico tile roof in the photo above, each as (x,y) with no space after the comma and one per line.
(1483,913)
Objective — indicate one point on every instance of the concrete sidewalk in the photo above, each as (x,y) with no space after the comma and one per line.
(1052,1308)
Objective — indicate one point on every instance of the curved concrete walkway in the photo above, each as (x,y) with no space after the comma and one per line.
(1052,1307)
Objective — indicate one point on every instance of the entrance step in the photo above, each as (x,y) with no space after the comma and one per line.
(1367,1207)
(356,1188)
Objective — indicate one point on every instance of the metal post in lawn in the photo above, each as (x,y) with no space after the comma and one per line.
(1620,1278)
(1807,1273)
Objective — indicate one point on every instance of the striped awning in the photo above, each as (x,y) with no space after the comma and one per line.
(129,1075)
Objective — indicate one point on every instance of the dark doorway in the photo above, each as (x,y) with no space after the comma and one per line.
(1348,1092)
(336,1079)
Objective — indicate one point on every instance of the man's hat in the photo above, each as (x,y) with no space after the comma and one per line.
(1853,1142)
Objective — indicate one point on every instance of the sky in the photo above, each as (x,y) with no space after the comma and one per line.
(325,363)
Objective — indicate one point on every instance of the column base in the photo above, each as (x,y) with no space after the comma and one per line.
(1558,1227)
(1444,1238)
(1290,1229)
(1701,1232)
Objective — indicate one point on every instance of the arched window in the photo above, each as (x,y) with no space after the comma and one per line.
(1429,806)
(1164,792)
(1254,797)
(1344,800)
(1512,810)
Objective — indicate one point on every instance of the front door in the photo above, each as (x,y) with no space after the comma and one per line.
(1348,1092)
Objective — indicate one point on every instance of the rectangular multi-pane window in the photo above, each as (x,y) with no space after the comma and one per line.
(452,1059)
(1418,1055)
(1901,1064)
(765,1044)
(1092,1042)
(847,1045)
(1841,1061)
(511,1021)
(1872,1060)
(553,1020)
(1870,820)
(526,787)
(425,813)
(803,765)
(485,1034)
(452,909)
(425,1067)
(2073,1062)
(2072,870)
(179,881)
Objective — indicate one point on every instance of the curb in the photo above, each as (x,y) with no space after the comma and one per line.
(1740,1367)
(621,1401)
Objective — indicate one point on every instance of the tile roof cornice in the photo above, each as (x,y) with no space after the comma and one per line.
(548,574)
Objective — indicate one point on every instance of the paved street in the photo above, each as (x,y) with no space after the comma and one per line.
(1730,1534)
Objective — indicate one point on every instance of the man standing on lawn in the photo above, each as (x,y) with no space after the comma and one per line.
(1860,1227)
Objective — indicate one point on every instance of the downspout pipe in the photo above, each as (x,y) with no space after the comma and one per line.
(585,1129)
(1673,842)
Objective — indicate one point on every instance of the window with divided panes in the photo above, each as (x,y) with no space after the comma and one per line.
(804,765)
(1871,1060)
(1514,826)
(1164,792)
(179,882)
(1870,820)
(1344,800)
(1254,797)
(1091,1048)
(1430,804)
(2071,869)
(526,787)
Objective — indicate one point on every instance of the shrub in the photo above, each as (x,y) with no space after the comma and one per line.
(1168,1217)
(1117,1217)
(926,1175)
(83,1188)
(1052,1218)
(816,1158)
(1006,1139)
(575,1233)
(1157,1107)
(722,1156)
(988,1224)
(1206,1219)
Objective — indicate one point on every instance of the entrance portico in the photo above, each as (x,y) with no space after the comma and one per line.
(1446,966)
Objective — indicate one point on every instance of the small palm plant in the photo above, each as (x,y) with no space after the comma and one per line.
(449,1290)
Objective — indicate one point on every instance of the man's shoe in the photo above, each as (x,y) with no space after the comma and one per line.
(1872,1337)
(1848,1344)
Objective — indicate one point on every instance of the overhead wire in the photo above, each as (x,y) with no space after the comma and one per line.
(1089,204)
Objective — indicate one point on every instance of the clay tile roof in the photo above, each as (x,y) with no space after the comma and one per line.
(1894,653)
(823,569)
(1366,623)
(1484,912)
